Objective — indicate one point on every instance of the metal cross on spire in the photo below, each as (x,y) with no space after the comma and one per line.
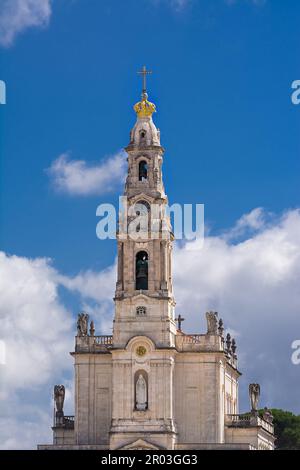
(144,72)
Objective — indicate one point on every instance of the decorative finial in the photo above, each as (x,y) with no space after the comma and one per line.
(228,343)
(267,415)
(144,109)
(221,327)
(92,328)
(233,346)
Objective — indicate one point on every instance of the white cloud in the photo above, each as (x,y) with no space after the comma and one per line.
(36,330)
(76,177)
(18,15)
(97,291)
(249,223)
(34,324)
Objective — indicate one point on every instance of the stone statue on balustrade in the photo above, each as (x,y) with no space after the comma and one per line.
(82,324)
(59,398)
(212,323)
(254,394)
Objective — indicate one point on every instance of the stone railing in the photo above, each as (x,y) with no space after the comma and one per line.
(198,342)
(104,340)
(69,422)
(93,344)
(66,422)
(267,425)
(242,420)
(192,339)
(248,420)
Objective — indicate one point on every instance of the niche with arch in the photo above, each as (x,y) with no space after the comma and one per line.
(140,390)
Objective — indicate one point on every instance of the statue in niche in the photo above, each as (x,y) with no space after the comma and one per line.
(212,323)
(254,394)
(141,394)
(82,324)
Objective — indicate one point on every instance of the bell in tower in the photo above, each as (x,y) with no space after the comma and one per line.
(142,271)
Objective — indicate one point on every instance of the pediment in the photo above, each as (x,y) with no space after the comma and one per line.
(140,444)
(141,197)
(143,297)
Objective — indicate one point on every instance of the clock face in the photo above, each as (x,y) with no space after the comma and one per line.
(141,350)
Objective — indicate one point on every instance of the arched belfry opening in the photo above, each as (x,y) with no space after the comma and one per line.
(141,271)
(143,134)
(143,170)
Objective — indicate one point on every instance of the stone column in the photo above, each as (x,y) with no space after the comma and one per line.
(120,266)
(164,264)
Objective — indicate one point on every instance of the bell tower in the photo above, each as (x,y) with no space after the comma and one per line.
(144,302)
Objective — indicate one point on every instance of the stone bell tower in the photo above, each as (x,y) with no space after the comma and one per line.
(151,385)
(144,329)
(144,294)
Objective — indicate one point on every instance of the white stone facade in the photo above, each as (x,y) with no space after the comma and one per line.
(191,379)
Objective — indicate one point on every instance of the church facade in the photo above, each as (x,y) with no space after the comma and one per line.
(150,385)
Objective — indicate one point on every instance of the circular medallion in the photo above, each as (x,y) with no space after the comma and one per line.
(141,350)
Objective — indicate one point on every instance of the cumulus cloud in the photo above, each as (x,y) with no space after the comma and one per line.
(96,290)
(36,335)
(249,223)
(34,324)
(76,177)
(18,15)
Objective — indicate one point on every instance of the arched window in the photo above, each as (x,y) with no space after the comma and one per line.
(143,170)
(141,271)
(141,390)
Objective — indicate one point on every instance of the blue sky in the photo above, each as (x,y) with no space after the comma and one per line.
(221,81)
(222,75)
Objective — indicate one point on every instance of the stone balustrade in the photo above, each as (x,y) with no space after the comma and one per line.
(249,420)
(205,343)
(93,344)
(104,339)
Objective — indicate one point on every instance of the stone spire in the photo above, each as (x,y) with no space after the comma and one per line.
(144,280)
